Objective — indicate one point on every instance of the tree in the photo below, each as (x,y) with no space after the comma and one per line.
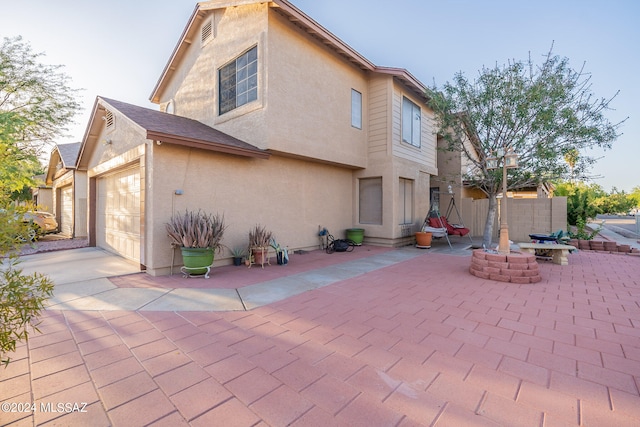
(635,196)
(544,113)
(36,103)
(581,197)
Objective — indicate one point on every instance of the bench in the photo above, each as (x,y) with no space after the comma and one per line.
(559,252)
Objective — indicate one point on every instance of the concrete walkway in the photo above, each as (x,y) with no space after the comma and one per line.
(415,342)
(82,278)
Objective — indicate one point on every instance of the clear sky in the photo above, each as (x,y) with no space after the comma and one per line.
(118,48)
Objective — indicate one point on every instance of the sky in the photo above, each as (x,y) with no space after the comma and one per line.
(118,49)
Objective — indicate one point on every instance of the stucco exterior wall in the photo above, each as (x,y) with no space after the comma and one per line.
(281,193)
(309,98)
(194,86)
(80,204)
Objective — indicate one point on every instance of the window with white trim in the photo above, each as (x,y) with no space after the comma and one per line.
(238,81)
(411,118)
(356,109)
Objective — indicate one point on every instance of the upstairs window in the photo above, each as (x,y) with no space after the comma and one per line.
(356,109)
(238,81)
(411,128)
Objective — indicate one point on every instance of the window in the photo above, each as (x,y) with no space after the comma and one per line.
(405,201)
(411,128)
(356,109)
(238,81)
(370,200)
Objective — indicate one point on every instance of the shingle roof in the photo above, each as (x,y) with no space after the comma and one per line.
(180,130)
(69,154)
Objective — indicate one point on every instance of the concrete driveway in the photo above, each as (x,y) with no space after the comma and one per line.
(76,265)
(81,279)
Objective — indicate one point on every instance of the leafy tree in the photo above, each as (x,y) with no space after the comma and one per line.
(616,202)
(581,197)
(36,103)
(635,196)
(543,112)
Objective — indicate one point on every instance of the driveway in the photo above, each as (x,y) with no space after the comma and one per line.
(78,265)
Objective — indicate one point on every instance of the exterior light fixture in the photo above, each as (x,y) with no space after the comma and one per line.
(509,161)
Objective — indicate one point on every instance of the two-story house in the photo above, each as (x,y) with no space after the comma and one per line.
(268,118)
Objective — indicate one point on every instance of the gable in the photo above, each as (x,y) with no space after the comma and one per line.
(296,17)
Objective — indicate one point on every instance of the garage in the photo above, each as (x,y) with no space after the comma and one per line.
(118,213)
(66,211)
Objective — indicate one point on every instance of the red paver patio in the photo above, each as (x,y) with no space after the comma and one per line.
(421,342)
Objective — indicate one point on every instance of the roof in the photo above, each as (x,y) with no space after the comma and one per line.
(296,17)
(69,154)
(180,130)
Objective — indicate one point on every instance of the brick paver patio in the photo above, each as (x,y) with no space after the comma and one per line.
(421,342)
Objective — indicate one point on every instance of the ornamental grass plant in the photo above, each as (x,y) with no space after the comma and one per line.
(196,229)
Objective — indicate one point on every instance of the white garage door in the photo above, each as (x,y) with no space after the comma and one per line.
(118,213)
(66,211)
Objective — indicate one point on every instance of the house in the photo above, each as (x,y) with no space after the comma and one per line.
(267,118)
(64,192)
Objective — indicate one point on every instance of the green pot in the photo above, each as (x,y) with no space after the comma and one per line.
(196,260)
(356,235)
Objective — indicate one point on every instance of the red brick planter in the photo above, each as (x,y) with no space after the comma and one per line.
(515,267)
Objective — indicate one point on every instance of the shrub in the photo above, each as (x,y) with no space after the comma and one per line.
(22,296)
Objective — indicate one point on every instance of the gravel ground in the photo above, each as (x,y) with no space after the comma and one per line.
(53,242)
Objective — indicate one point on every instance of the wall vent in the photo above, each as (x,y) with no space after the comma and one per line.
(206,33)
(109,119)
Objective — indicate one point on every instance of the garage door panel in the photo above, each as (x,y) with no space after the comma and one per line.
(118,216)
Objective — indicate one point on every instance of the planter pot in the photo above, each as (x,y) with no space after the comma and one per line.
(423,240)
(281,258)
(356,235)
(197,260)
(260,255)
(237,260)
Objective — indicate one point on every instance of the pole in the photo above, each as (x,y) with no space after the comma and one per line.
(503,246)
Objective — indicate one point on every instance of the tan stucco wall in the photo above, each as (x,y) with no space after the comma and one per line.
(281,193)
(194,85)
(309,98)
(80,204)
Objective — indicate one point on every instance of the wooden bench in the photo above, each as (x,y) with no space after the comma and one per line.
(559,252)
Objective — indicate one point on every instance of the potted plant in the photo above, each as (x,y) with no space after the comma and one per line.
(199,237)
(238,254)
(259,241)
(282,254)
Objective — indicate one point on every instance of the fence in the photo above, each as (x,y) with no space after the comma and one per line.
(524,216)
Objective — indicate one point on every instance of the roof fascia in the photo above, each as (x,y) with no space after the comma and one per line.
(209,146)
(185,40)
(328,38)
